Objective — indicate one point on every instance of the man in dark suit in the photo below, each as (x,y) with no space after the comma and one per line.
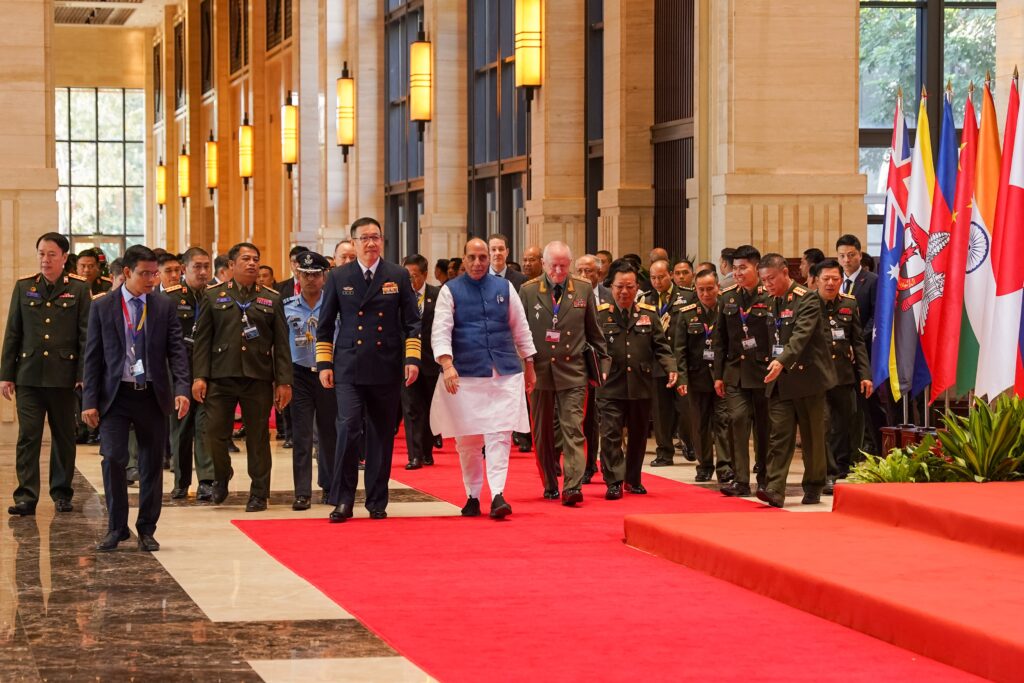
(372,305)
(287,288)
(417,397)
(136,374)
(497,246)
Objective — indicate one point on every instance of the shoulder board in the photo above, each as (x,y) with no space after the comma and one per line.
(646,306)
(290,299)
(847,296)
(76,276)
(97,296)
(604,307)
(536,279)
(729,288)
(687,308)
(799,291)
(175,288)
(270,289)
(688,289)
(29,277)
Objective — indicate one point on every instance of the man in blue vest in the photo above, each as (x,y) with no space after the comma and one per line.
(480,338)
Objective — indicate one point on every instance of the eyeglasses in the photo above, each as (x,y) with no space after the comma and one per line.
(366,239)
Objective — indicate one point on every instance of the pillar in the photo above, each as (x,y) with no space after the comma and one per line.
(365,30)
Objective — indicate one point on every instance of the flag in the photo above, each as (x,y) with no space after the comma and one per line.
(911,369)
(941,306)
(883,358)
(999,360)
(979,282)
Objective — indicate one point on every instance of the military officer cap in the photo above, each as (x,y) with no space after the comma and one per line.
(312,262)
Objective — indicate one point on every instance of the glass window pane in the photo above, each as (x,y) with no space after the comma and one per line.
(83,163)
(83,114)
(874,163)
(132,241)
(479,124)
(479,37)
(60,110)
(507,121)
(63,163)
(63,210)
(969,50)
(396,83)
(135,115)
(111,218)
(507,27)
(110,106)
(492,116)
(135,211)
(135,164)
(888,60)
(111,163)
(83,210)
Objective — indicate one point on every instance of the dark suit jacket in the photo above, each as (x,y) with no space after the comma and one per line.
(166,359)
(428,366)
(865,288)
(285,288)
(378,326)
(515,277)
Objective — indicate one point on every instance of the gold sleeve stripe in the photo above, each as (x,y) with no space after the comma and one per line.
(413,341)
(413,348)
(324,352)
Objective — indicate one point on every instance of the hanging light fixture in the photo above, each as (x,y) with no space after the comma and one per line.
(245,150)
(289,134)
(420,80)
(161,184)
(528,43)
(211,164)
(184,175)
(346,111)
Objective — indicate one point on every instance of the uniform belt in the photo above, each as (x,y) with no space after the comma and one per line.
(134,386)
(297,366)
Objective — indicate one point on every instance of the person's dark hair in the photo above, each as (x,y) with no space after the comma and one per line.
(514,266)
(497,236)
(454,261)
(745,252)
(772,260)
(621,265)
(220,263)
(363,222)
(233,252)
(705,273)
(633,259)
(60,240)
(159,251)
(728,254)
(442,263)
(89,253)
(117,265)
(417,260)
(826,264)
(135,254)
(296,250)
(867,261)
(848,241)
(687,260)
(166,257)
(191,253)
(604,252)
(708,265)
(814,255)
(268,268)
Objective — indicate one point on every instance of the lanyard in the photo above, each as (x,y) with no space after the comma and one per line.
(555,305)
(128,319)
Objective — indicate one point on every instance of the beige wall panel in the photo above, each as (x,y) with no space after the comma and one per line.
(91,56)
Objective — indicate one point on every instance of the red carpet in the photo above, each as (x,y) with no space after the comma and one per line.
(554,594)
(867,566)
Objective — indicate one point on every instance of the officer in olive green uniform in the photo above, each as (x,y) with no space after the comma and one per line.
(671,416)
(41,364)
(741,342)
(636,343)
(695,358)
(240,353)
(799,374)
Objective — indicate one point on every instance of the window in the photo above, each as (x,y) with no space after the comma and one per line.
(594,113)
(206,44)
(238,33)
(909,44)
(101,166)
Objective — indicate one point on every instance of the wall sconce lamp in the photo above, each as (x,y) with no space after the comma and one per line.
(289,134)
(245,141)
(211,164)
(346,111)
(161,184)
(184,175)
(529,40)
(421,80)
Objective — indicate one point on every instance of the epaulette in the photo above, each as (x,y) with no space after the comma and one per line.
(33,276)
(271,289)
(536,279)
(173,288)
(76,276)
(688,289)
(799,291)
(290,299)
(646,306)
(604,307)
(847,296)
(729,288)
(97,296)
(684,309)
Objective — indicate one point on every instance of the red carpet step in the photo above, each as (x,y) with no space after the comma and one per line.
(892,561)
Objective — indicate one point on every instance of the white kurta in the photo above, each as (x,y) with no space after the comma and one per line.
(483,405)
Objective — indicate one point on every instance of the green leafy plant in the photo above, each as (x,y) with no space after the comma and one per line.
(987,444)
(899,466)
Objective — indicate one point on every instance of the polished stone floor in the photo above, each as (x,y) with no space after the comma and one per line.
(210,606)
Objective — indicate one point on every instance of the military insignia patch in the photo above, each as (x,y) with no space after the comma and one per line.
(348,291)
(389,288)
(264,302)
(579,303)
(223,299)
(644,320)
(33,294)
(66,295)
(845,311)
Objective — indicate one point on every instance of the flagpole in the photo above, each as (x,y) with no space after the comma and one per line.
(927,405)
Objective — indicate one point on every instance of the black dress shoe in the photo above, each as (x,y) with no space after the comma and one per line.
(323,498)
(63,505)
(830,485)
(219,492)
(614,492)
(428,460)
(702,476)
(471,508)
(776,500)
(572,496)
(111,540)
(132,475)
(588,477)
(727,477)
(414,464)
(378,514)
(233,447)
(637,490)
(93,440)
(499,508)
(810,499)
(734,489)
(438,443)
(287,443)
(204,492)
(551,494)
(525,447)
(148,544)
(301,503)
(689,454)
(340,513)
(661,462)
(256,504)
(22,509)
(178,494)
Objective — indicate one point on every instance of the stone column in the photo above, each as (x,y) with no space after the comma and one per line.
(198,231)
(443,225)
(28,177)
(365,31)
(556,209)
(306,56)
(333,171)
(782,127)
(626,222)
(1009,51)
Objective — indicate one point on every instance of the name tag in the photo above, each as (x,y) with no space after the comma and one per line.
(552,335)
(301,342)
(251,331)
(138,369)
(709,354)
(838,334)
(749,344)
(777,350)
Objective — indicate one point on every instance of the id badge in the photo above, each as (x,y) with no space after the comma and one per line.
(749,344)
(251,332)
(138,369)
(709,354)
(838,334)
(553,336)
(301,342)
(777,350)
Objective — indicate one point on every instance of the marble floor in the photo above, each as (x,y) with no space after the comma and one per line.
(210,606)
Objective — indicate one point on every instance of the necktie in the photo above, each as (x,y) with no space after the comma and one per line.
(661,301)
(498,274)
(419,303)
(847,286)
(557,292)
(369,277)
(139,339)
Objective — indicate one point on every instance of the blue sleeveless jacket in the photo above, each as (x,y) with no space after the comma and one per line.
(482,337)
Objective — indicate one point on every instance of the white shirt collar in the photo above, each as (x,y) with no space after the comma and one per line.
(128,296)
(500,273)
(372,269)
(855,275)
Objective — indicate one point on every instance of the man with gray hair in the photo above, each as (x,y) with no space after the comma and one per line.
(563,320)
